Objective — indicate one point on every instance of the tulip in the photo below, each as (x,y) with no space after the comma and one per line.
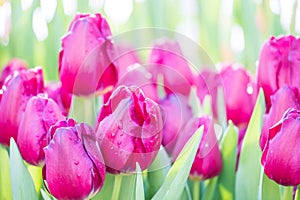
(40,113)
(239,93)
(167,60)
(208,160)
(283,99)
(140,77)
(129,130)
(278,65)
(207,83)
(176,112)
(280,156)
(10,68)
(74,167)
(60,96)
(85,63)
(16,92)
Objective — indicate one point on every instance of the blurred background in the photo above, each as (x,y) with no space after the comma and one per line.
(230,31)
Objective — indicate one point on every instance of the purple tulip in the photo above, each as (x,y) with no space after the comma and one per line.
(240,95)
(278,65)
(129,130)
(86,55)
(280,156)
(60,96)
(208,160)
(40,113)
(283,99)
(176,112)
(167,60)
(10,68)
(16,92)
(74,167)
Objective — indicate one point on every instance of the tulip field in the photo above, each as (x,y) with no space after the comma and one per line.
(150,99)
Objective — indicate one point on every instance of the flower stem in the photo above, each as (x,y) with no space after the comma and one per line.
(196,190)
(287,193)
(117,187)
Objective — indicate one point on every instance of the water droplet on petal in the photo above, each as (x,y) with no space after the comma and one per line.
(76,162)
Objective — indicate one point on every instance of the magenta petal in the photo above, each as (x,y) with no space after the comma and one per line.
(68,167)
(281,154)
(39,115)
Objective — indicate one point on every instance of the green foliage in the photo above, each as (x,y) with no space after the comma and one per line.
(5,185)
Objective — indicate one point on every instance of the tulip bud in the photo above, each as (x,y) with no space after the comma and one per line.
(60,96)
(167,60)
(74,167)
(278,65)
(176,112)
(280,156)
(16,92)
(284,98)
(92,61)
(240,96)
(208,160)
(10,68)
(129,130)
(39,115)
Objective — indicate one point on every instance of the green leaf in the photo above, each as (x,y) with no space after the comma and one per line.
(22,184)
(179,172)
(5,185)
(36,174)
(139,186)
(248,174)
(210,189)
(158,171)
(226,181)
(267,186)
(127,190)
(106,191)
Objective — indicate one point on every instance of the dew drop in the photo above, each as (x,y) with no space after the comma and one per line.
(119,143)
(113,135)
(76,162)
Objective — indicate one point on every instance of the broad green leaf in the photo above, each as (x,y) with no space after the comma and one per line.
(226,181)
(139,185)
(158,171)
(210,189)
(267,186)
(83,109)
(186,195)
(5,185)
(287,192)
(36,174)
(179,172)
(127,190)
(248,174)
(21,181)
(297,196)
(106,191)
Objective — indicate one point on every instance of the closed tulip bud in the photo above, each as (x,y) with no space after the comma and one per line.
(129,130)
(16,92)
(283,99)
(176,112)
(74,167)
(10,68)
(60,96)
(278,65)
(280,156)
(240,94)
(167,60)
(92,61)
(208,160)
(40,113)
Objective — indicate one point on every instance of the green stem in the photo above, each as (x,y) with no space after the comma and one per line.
(196,190)
(293,20)
(117,187)
(297,196)
(83,109)
(287,193)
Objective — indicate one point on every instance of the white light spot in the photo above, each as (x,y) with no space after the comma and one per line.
(48,8)
(139,1)
(297,22)
(275,6)
(227,6)
(189,28)
(96,4)
(25,4)
(237,41)
(39,25)
(118,11)
(250,89)
(5,22)
(286,11)
(70,7)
